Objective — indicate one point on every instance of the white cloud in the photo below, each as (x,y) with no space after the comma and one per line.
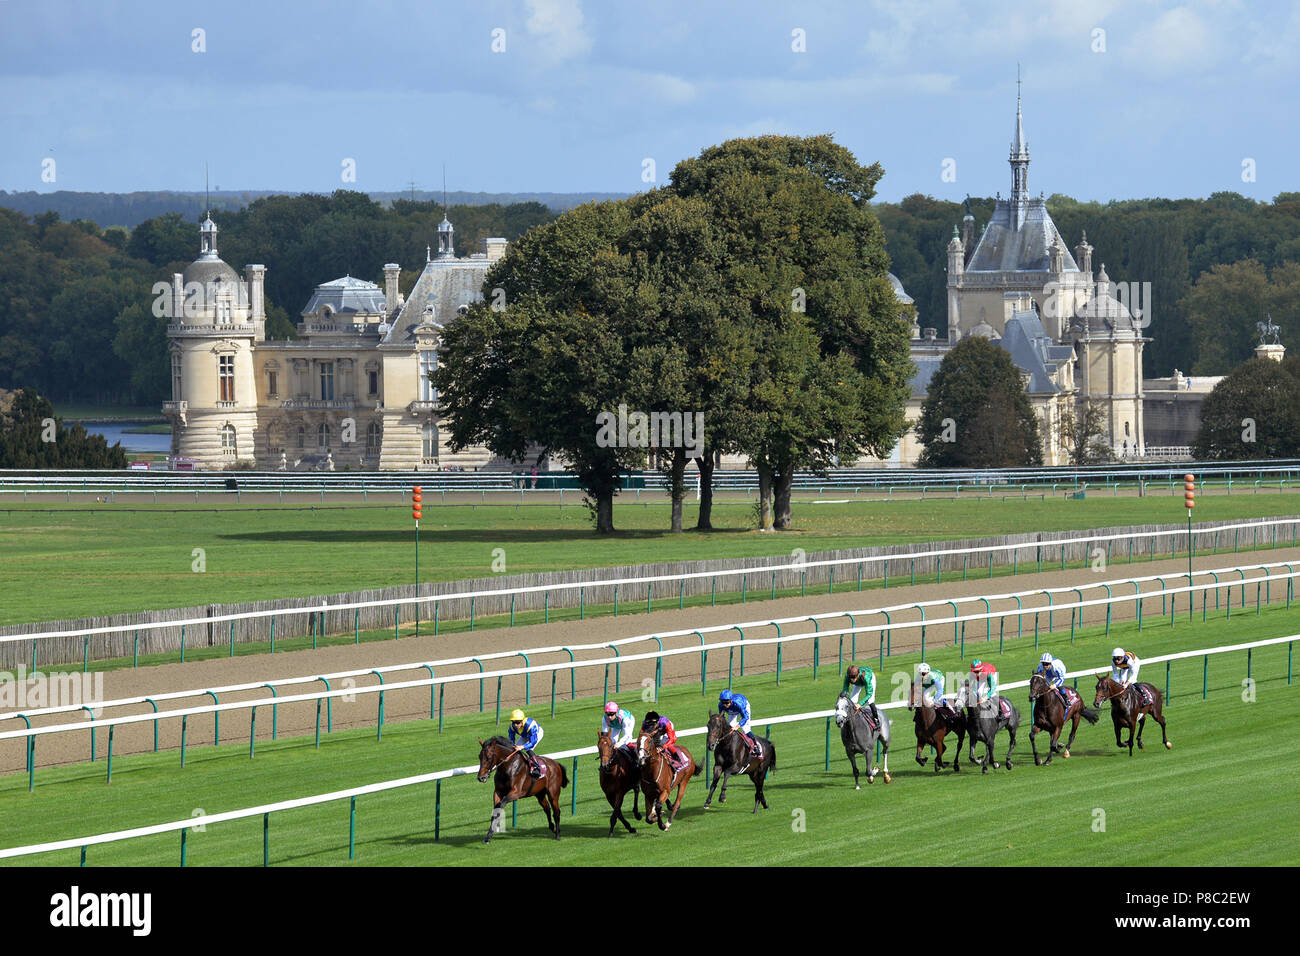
(558,25)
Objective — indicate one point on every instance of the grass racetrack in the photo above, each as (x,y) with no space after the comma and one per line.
(1223,795)
(67,561)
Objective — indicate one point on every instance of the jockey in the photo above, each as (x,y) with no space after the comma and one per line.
(663,730)
(618,724)
(526,734)
(860,681)
(735,707)
(1054,670)
(1123,667)
(986,681)
(932,688)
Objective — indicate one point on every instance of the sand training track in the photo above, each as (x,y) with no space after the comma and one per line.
(299,719)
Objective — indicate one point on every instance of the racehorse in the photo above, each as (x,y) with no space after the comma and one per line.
(514,782)
(658,778)
(1050,714)
(860,735)
(618,774)
(1128,709)
(732,755)
(932,725)
(983,721)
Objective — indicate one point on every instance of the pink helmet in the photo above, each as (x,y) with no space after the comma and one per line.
(611,707)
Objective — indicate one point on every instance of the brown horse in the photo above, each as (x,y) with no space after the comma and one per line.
(514,782)
(932,725)
(618,774)
(1050,714)
(1127,709)
(658,778)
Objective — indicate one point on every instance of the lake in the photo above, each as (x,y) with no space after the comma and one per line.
(116,432)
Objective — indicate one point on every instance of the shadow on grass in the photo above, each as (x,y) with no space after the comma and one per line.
(506,536)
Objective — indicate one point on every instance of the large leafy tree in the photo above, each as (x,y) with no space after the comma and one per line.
(976,413)
(804,272)
(1253,413)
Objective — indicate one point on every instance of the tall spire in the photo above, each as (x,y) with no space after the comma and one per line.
(1019,161)
(446,244)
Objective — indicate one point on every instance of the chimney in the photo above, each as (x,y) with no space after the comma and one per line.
(177,314)
(255,276)
(392,272)
(495,248)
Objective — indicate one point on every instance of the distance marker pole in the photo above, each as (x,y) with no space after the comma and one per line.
(417,500)
(1189,499)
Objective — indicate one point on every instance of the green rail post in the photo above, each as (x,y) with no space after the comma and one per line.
(437,810)
(252,732)
(154,705)
(275,714)
(742,649)
(498,701)
(573,787)
(92,731)
(110,744)
(528,679)
(184,727)
(216,720)
(573,686)
(828,743)
(433,712)
(480,684)
(1205,676)
(618,680)
(352,828)
(1167,663)
(183,833)
(379,728)
(182,643)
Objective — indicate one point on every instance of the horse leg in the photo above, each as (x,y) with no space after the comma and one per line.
(884,757)
(618,811)
(853,761)
(1012,746)
(1131,728)
(546,808)
(726,775)
(498,818)
(938,754)
(555,808)
(1142,722)
(1033,743)
(762,779)
(681,795)
(1118,720)
(956,753)
(988,754)
(1074,729)
(1158,714)
(920,759)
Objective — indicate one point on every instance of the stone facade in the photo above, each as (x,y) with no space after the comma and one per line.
(350,392)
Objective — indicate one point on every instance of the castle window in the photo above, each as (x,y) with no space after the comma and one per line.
(323,437)
(176,376)
(374,382)
(374,433)
(430,443)
(428,363)
(271,390)
(302,438)
(226,377)
(228,440)
(327,381)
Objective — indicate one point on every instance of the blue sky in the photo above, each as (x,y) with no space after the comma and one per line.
(586,91)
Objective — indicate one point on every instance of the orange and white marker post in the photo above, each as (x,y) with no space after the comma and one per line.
(417,500)
(1189,499)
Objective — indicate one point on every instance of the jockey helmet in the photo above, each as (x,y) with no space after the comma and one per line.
(976,665)
(650,719)
(1118,654)
(923,669)
(1046,658)
(726,697)
(853,673)
(516,716)
(611,707)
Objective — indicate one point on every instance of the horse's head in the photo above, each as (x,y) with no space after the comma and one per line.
(842,704)
(1037,686)
(645,747)
(1106,689)
(605,748)
(488,759)
(717,725)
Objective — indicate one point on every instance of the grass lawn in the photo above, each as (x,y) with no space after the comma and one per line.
(66,561)
(1219,797)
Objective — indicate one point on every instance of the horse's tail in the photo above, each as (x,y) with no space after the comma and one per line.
(773,749)
(698,768)
(564,775)
(1088,714)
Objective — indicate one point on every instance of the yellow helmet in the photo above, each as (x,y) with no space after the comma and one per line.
(516,715)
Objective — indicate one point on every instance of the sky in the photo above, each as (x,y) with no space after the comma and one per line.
(1122,98)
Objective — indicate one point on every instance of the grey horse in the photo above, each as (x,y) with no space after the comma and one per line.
(860,737)
(983,721)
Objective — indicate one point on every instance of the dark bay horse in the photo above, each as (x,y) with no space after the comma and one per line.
(1128,709)
(514,782)
(732,755)
(932,725)
(1050,714)
(859,736)
(983,722)
(658,778)
(618,774)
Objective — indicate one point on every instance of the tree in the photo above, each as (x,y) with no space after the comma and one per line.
(804,273)
(976,413)
(1084,436)
(1254,413)
(31,437)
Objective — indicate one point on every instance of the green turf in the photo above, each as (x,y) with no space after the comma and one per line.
(1222,796)
(68,561)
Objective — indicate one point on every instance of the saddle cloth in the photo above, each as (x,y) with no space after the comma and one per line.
(1144,696)
(1070,696)
(1004,708)
(677,761)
